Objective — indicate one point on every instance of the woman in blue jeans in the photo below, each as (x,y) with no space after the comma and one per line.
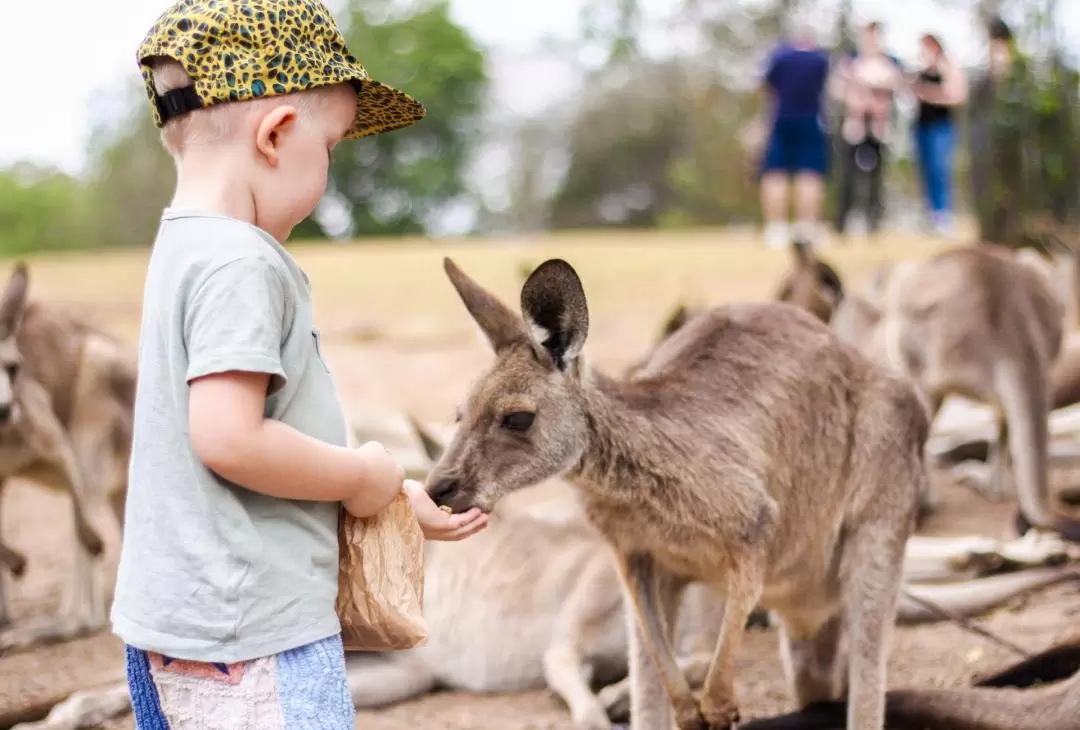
(939,87)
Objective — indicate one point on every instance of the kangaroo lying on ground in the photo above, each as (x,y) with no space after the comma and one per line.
(981,322)
(66,399)
(1039,693)
(755,452)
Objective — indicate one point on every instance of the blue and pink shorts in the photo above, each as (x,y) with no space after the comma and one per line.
(300,689)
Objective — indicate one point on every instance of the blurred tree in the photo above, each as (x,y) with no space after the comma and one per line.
(40,210)
(622,143)
(1027,151)
(130,181)
(656,141)
(396,183)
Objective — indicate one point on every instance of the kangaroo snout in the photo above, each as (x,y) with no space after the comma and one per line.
(444,490)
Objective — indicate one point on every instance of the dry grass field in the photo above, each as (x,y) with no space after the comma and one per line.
(397,337)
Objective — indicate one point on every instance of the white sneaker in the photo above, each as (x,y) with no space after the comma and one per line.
(944,226)
(807,231)
(777,236)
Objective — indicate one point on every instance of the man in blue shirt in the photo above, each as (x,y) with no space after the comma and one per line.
(797,147)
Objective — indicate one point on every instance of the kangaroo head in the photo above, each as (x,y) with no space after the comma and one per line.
(524,420)
(811,283)
(12,307)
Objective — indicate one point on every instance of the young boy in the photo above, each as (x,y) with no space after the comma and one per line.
(228,572)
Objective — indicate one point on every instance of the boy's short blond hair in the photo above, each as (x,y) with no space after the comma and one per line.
(218,122)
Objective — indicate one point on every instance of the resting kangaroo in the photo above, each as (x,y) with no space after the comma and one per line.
(981,322)
(755,452)
(1039,693)
(65,401)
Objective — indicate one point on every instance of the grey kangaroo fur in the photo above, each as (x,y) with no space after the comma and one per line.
(66,394)
(755,452)
(981,322)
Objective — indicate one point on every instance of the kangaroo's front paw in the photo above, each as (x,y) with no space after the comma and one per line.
(688,717)
(591,717)
(615,699)
(720,715)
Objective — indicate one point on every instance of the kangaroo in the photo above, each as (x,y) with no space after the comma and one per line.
(66,396)
(1039,693)
(1064,390)
(812,283)
(746,427)
(980,322)
(541,545)
(491,581)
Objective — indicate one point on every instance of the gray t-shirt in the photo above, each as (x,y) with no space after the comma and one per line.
(211,571)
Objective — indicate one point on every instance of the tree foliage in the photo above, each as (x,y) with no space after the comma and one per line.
(395,183)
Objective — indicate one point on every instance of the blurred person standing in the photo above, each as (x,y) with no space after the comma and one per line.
(796,150)
(996,97)
(865,83)
(939,87)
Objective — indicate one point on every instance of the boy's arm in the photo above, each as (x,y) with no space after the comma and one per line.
(233,329)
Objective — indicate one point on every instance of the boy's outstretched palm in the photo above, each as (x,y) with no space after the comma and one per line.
(439,525)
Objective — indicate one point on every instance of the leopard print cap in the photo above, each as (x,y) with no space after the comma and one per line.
(246,49)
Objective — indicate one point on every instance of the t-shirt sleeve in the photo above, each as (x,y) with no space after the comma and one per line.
(234,321)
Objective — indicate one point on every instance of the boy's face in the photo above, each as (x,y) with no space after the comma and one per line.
(294,149)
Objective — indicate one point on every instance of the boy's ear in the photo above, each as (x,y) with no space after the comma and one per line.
(268,133)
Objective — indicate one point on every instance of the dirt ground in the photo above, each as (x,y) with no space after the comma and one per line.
(398,339)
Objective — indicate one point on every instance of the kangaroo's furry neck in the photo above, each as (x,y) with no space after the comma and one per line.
(627,448)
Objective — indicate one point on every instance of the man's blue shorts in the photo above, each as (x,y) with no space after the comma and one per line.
(797,144)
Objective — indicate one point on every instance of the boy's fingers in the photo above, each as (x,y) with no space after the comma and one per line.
(465,518)
(472,527)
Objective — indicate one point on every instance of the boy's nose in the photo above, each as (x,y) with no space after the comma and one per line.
(444,490)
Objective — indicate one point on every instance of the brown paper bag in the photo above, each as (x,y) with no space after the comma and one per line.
(380,599)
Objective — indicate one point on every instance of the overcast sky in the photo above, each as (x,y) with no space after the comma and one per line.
(56,73)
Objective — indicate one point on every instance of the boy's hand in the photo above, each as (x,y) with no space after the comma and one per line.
(439,525)
(383,479)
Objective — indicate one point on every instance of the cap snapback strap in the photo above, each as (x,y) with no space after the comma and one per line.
(177,102)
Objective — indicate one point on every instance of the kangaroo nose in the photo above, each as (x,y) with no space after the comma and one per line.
(444,489)
(5,412)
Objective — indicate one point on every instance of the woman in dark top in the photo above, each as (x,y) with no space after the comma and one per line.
(939,87)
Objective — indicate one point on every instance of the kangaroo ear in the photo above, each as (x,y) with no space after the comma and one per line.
(801,252)
(829,278)
(675,321)
(553,303)
(499,324)
(13,301)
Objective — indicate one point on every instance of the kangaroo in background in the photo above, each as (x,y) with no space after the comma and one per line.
(1038,693)
(981,322)
(812,284)
(755,452)
(66,398)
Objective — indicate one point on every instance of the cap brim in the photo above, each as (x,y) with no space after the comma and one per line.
(381,108)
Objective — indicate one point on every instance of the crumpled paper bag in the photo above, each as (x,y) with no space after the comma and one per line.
(380,599)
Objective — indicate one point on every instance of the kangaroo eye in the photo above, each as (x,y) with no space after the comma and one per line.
(457,416)
(519,421)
